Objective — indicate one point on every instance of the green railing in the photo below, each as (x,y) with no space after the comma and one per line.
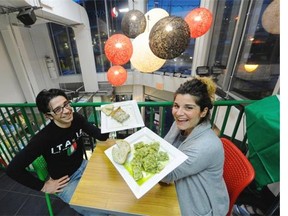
(19,122)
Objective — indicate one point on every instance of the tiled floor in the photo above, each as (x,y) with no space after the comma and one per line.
(16,200)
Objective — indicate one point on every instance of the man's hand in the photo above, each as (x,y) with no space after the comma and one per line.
(55,186)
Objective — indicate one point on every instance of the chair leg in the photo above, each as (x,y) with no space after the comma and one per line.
(48,202)
(275,206)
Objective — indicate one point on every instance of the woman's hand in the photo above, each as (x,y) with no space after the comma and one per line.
(55,186)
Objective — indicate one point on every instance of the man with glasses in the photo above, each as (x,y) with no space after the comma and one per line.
(59,143)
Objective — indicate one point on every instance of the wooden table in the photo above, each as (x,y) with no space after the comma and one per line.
(103,188)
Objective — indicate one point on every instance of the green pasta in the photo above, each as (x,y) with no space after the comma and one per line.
(147,158)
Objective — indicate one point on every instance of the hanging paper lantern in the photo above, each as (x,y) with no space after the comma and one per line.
(169,37)
(199,21)
(143,58)
(133,23)
(114,12)
(117,75)
(118,49)
(153,16)
(271,17)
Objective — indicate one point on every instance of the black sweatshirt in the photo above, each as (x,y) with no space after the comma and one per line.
(62,149)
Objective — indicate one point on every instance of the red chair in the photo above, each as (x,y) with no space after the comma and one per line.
(238,171)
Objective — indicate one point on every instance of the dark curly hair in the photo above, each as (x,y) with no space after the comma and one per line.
(45,96)
(203,89)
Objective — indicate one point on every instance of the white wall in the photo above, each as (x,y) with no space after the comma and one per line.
(42,47)
(24,49)
(10,90)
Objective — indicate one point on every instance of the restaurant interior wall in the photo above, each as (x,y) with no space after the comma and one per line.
(161,82)
(160,88)
(39,69)
(31,45)
(37,44)
(8,81)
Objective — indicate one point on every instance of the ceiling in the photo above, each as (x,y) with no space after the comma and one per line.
(43,16)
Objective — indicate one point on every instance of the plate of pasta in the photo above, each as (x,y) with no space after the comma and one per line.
(150,159)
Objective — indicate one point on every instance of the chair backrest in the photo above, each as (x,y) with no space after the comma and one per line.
(238,171)
(40,166)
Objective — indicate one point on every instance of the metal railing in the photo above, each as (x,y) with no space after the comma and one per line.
(20,122)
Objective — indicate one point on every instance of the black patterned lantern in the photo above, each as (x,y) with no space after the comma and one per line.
(133,23)
(169,37)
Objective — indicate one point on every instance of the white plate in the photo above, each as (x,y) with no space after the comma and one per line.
(108,124)
(176,157)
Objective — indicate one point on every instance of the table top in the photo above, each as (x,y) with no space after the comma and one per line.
(102,187)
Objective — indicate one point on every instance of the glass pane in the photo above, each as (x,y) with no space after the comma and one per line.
(258,65)
(74,50)
(63,49)
(103,25)
(182,64)
(224,30)
(226,18)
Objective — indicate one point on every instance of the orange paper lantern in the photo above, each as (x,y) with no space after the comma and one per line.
(199,21)
(118,49)
(117,75)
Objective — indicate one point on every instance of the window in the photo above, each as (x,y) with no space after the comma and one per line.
(105,20)
(257,68)
(65,49)
(245,52)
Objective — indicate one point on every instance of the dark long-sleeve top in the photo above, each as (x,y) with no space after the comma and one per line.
(62,149)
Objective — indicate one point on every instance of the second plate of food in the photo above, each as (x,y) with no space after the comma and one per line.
(120,116)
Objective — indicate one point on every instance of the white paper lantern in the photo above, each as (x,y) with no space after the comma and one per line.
(153,16)
(143,58)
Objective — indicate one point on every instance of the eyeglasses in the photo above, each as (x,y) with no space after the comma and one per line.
(60,109)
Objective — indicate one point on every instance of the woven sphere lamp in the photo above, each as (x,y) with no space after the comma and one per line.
(117,75)
(153,16)
(271,18)
(118,49)
(169,37)
(133,23)
(199,21)
(143,59)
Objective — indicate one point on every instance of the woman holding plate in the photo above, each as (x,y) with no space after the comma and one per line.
(199,182)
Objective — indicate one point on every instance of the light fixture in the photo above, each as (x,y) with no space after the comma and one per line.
(143,58)
(133,23)
(199,21)
(27,16)
(117,75)
(153,16)
(114,12)
(203,71)
(169,37)
(118,49)
(271,18)
(250,67)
